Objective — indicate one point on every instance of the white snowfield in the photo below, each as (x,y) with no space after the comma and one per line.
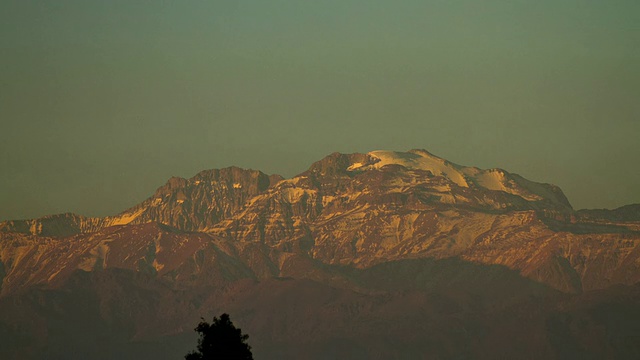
(127,217)
(492,179)
(420,160)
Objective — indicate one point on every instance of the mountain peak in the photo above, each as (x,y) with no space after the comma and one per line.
(415,159)
(419,160)
(202,201)
(462,176)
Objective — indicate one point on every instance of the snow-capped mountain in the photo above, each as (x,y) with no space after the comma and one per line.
(350,229)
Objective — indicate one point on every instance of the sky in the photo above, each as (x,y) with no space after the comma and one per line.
(102,101)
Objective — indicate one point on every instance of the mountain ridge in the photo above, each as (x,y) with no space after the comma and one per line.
(364,209)
(434,249)
(493,179)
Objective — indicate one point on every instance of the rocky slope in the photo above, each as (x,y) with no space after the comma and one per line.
(187,204)
(372,230)
(358,210)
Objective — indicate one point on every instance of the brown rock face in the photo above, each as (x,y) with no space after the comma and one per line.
(187,204)
(200,202)
(364,232)
(54,225)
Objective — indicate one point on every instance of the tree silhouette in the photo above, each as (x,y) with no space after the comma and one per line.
(220,340)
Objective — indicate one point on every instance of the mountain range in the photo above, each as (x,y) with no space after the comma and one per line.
(378,255)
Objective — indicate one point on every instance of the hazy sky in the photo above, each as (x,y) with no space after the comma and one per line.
(102,101)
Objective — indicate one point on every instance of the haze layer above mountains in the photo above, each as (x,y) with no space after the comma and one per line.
(102,102)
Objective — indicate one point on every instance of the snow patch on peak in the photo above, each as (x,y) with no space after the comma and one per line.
(463,176)
(493,179)
(354,166)
(420,160)
(500,180)
(127,218)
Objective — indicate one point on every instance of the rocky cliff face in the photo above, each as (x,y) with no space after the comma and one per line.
(337,224)
(200,202)
(54,225)
(186,204)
